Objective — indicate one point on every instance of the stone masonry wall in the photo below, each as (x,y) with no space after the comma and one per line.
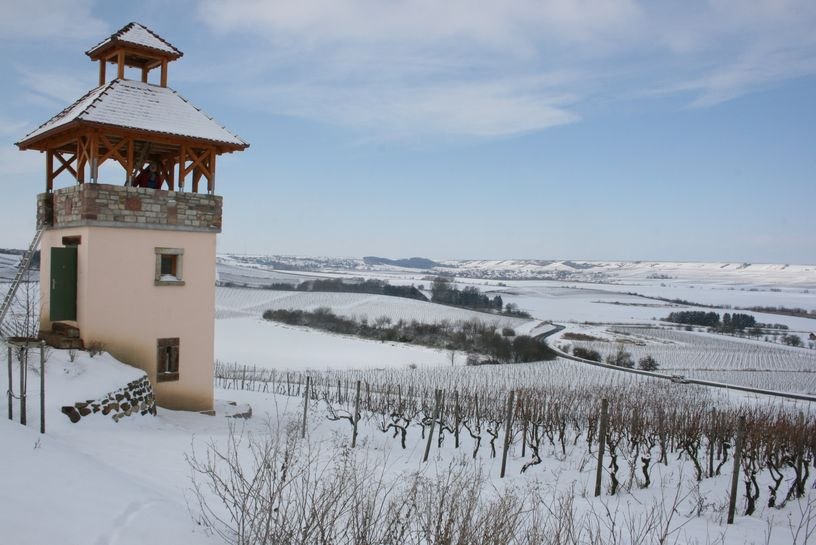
(134,399)
(118,206)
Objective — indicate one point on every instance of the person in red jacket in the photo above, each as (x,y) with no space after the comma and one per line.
(148,177)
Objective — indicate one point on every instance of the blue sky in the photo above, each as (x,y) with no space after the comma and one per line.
(591,129)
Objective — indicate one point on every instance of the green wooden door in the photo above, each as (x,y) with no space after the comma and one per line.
(63,283)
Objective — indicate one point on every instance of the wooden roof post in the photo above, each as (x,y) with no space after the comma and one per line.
(164,73)
(120,73)
(181,168)
(211,184)
(49,171)
(144,74)
(93,156)
(129,160)
(102,67)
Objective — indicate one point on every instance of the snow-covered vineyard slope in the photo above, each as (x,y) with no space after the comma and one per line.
(713,357)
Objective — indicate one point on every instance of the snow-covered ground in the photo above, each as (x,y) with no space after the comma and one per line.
(100,482)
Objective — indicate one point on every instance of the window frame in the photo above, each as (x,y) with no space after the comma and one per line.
(178,254)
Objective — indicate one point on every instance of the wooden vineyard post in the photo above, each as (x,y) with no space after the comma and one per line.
(42,386)
(10,388)
(800,456)
(356,416)
(433,422)
(601,445)
(456,418)
(732,500)
(507,431)
(305,405)
(524,420)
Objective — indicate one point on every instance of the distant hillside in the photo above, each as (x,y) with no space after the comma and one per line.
(410,263)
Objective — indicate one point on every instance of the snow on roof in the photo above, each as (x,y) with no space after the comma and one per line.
(137,105)
(137,34)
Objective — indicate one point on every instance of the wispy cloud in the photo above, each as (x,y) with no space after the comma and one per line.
(417,67)
(11,127)
(51,88)
(50,19)
(504,67)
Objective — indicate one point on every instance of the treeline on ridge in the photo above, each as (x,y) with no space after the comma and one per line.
(370,286)
(471,336)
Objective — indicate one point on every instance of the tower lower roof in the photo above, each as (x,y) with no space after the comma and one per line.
(139,106)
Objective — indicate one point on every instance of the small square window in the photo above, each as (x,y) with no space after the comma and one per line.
(169,267)
(167,359)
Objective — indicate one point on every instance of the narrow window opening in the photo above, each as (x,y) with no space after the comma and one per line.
(168,359)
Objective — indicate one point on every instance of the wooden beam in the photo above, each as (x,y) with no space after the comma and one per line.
(65,165)
(144,74)
(164,73)
(102,64)
(120,60)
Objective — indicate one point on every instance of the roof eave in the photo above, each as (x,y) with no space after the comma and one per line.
(31,142)
(99,52)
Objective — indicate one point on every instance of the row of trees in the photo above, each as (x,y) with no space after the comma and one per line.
(621,358)
(468,336)
(729,322)
(443,292)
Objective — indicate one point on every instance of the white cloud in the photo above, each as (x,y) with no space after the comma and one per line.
(494,68)
(15,163)
(55,19)
(57,87)
(12,127)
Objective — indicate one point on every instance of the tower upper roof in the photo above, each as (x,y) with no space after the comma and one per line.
(136,36)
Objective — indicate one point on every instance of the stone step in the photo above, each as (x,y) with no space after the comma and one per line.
(62,342)
(66,330)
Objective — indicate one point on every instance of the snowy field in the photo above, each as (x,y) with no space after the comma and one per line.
(253,302)
(271,345)
(243,337)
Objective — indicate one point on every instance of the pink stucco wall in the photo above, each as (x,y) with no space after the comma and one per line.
(119,305)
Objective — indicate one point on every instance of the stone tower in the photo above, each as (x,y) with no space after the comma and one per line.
(130,263)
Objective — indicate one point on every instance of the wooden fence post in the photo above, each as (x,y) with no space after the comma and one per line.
(42,386)
(356,416)
(601,445)
(305,407)
(433,422)
(23,377)
(732,500)
(507,431)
